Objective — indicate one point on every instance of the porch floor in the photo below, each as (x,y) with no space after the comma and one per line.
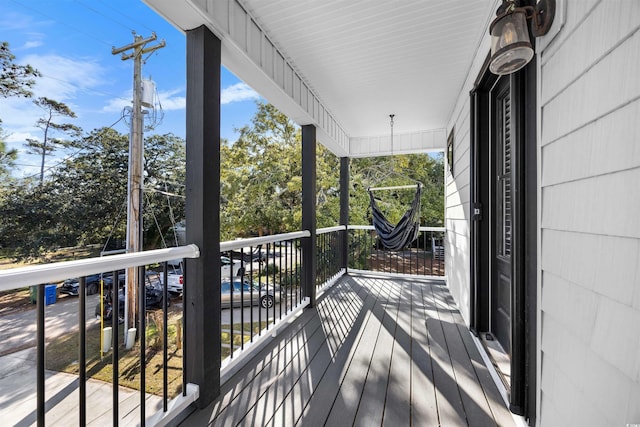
(374,351)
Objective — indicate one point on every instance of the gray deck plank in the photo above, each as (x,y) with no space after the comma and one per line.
(373,351)
(476,407)
(450,407)
(309,369)
(424,408)
(501,414)
(319,405)
(337,311)
(397,404)
(320,382)
(371,407)
(345,404)
(245,385)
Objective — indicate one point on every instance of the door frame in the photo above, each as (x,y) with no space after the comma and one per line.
(523,356)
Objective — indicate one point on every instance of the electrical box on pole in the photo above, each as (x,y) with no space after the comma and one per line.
(135,51)
(148,92)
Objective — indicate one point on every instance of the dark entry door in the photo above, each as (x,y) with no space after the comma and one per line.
(504,226)
(502,218)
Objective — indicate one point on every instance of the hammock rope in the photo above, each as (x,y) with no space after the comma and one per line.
(396,237)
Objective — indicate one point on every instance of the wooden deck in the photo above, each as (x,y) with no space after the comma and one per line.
(373,352)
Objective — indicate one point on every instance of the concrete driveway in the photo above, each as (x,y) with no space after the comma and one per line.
(18,374)
(18,330)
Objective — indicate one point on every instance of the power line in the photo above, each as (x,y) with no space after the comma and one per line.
(126,16)
(39,12)
(97,12)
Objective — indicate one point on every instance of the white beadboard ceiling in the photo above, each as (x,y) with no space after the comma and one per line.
(368,59)
(359,60)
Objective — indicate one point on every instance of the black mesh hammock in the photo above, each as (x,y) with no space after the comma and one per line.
(396,237)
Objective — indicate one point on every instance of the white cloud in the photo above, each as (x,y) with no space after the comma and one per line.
(31,44)
(174,99)
(237,93)
(64,80)
(20,137)
(170,100)
(63,77)
(14,21)
(116,105)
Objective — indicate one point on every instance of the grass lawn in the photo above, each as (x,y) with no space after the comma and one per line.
(62,355)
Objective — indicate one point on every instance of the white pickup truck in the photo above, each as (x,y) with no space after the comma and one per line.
(175,279)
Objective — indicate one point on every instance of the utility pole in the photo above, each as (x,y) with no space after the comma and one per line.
(135,182)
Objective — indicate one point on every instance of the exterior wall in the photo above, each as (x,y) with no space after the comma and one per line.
(589,201)
(590,217)
(458,192)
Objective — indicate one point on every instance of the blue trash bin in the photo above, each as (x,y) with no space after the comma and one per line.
(50,292)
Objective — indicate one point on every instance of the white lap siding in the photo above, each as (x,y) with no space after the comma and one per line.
(590,217)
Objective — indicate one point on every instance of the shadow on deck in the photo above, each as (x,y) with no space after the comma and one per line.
(374,351)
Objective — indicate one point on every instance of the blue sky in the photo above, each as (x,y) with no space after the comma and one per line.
(70,42)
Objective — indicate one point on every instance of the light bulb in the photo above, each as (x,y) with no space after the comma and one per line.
(509,34)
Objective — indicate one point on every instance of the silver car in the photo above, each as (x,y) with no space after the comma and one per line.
(246,293)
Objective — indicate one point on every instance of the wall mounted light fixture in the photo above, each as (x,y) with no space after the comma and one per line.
(510,44)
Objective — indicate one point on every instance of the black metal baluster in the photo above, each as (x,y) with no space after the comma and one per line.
(298,272)
(251,290)
(40,355)
(274,283)
(231,295)
(279,279)
(165,338)
(267,281)
(142,295)
(242,298)
(115,320)
(82,349)
(260,292)
(183,335)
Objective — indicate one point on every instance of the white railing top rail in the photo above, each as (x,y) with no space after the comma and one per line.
(371,227)
(21,277)
(255,241)
(331,229)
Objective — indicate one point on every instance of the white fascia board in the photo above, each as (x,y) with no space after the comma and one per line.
(426,141)
(182,14)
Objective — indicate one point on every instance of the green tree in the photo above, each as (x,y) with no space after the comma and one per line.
(261,181)
(7,157)
(399,170)
(261,188)
(164,166)
(84,199)
(48,144)
(15,80)
(327,188)
(94,186)
(28,220)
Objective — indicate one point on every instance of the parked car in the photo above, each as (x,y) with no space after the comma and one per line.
(92,286)
(227,265)
(175,278)
(174,281)
(153,293)
(249,293)
(248,254)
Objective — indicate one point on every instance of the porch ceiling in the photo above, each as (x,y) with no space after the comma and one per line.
(361,60)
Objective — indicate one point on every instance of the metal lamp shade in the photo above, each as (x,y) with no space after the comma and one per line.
(510,46)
